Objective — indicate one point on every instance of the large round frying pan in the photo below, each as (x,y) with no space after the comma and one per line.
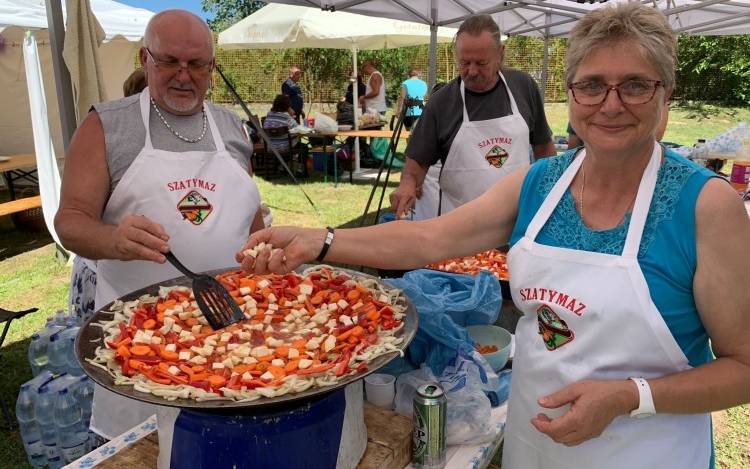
(91,336)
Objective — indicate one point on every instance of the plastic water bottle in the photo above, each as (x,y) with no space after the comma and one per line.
(700,153)
(31,435)
(44,410)
(741,168)
(72,435)
(60,318)
(38,355)
(84,394)
(74,368)
(57,353)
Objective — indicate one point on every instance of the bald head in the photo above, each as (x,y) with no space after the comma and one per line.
(168,23)
(178,58)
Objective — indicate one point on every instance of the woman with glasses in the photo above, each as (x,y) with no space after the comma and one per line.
(624,257)
(155,172)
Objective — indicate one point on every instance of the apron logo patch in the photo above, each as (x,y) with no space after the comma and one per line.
(194,208)
(496,156)
(554,331)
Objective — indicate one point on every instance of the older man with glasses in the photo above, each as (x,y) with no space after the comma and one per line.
(156,172)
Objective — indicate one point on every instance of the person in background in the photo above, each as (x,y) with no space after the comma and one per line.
(412,88)
(361,89)
(480,126)
(156,172)
(135,83)
(574,141)
(282,114)
(374,96)
(291,88)
(82,291)
(635,315)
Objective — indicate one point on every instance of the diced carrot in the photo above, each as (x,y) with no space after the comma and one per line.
(334,297)
(282,351)
(160,317)
(373,315)
(123,351)
(198,368)
(291,365)
(169,355)
(299,343)
(140,350)
(187,370)
(125,341)
(200,376)
(163,366)
(149,324)
(352,295)
(217,381)
(354,331)
(135,364)
(190,322)
(277,371)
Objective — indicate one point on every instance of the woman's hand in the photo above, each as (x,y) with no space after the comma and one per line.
(593,406)
(289,248)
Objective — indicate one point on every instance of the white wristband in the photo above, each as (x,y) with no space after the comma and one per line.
(646,401)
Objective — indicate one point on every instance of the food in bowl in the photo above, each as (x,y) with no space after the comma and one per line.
(492,260)
(344,128)
(488,336)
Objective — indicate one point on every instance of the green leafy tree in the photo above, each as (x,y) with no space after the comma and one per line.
(226,13)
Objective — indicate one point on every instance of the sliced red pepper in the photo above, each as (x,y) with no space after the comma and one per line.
(316,369)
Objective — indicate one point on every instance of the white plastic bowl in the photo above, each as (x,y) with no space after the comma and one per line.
(493,335)
(344,128)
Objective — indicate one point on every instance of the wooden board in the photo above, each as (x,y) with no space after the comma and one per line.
(20,205)
(388,445)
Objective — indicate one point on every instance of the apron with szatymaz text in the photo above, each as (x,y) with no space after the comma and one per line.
(482,153)
(589,316)
(206,203)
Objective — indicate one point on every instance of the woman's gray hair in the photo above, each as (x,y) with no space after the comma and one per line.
(646,28)
(476,25)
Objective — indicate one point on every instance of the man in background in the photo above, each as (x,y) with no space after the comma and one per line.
(481,126)
(374,97)
(291,88)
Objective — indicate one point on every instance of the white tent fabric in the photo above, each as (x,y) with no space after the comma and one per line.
(286,26)
(543,18)
(31,121)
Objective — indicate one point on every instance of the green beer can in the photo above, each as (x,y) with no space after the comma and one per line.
(428,449)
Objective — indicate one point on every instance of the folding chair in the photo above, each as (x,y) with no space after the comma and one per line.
(290,155)
(6,317)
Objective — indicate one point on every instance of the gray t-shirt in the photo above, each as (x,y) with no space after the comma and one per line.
(125,135)
(431,140)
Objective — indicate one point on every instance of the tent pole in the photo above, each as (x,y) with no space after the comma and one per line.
(433,44)
(63,84)
(355,107)
(545,61)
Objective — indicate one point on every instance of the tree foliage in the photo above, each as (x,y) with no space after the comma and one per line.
(226,13)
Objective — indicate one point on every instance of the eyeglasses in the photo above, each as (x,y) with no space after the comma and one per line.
(633,92)
(196,68)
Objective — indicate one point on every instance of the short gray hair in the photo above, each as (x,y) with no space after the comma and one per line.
(646,28)
(476,25)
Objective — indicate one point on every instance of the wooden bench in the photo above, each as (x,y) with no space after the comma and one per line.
(19,205)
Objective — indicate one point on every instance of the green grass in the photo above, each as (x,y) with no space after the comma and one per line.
(31,276)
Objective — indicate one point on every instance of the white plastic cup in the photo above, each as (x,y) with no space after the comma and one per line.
(380,389)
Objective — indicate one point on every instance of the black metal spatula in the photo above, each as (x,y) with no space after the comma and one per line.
(215,302)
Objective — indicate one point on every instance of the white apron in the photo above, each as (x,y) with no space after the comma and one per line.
(482,153)
(205,201)
(590,316)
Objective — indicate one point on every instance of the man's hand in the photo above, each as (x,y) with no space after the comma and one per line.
(404,197)
(138,238)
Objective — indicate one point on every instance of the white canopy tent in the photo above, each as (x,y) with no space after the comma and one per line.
(31,122)
(543,18)
(286,26)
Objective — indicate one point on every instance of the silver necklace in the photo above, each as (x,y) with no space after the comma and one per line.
(189,140)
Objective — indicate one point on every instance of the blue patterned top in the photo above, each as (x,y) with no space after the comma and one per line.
(667,253)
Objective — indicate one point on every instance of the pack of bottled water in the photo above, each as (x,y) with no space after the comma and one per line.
(54,413)
(53,346)
(54,408)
